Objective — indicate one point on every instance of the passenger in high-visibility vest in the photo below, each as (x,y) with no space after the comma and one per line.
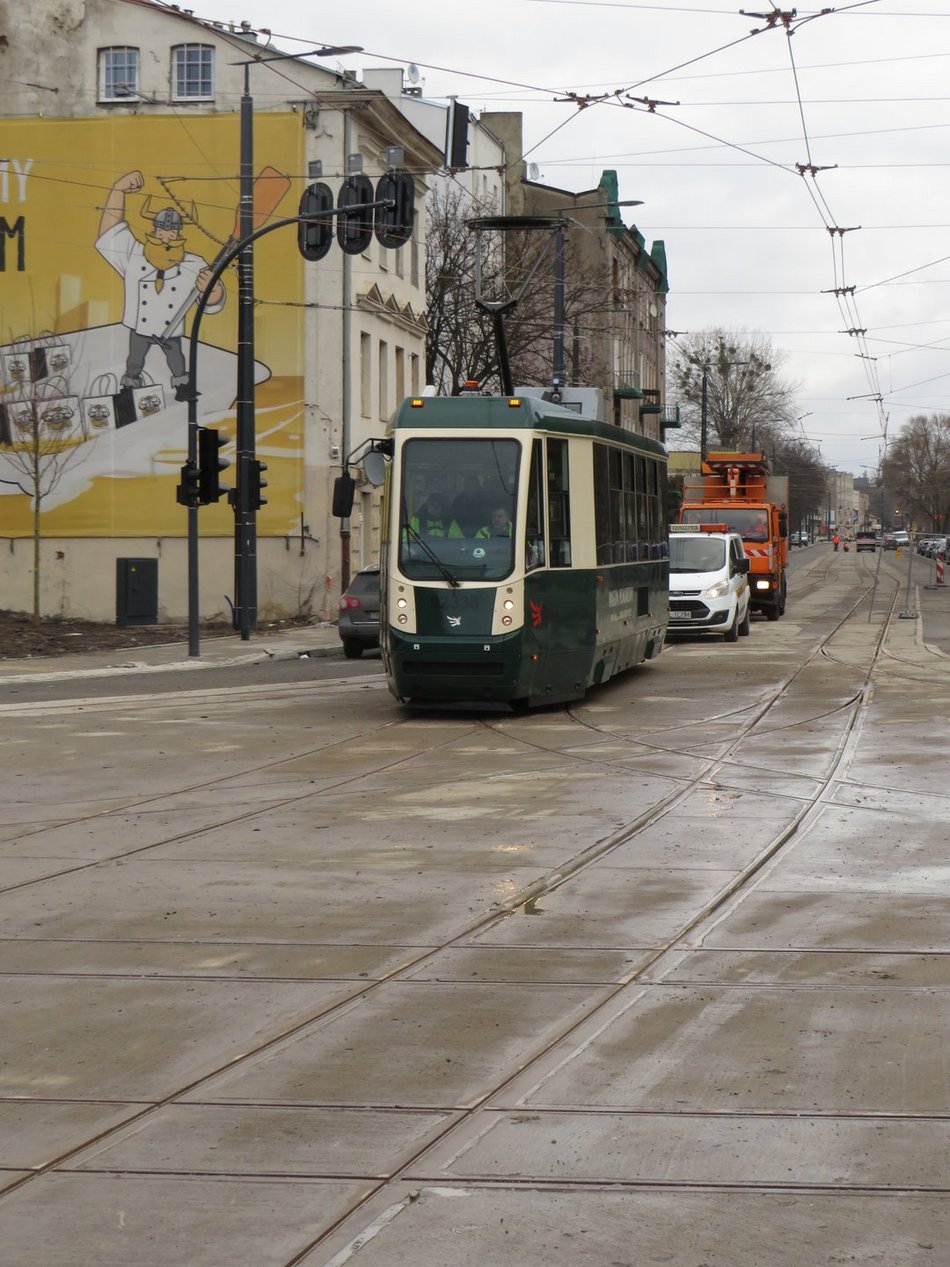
(500,525)
(434,520)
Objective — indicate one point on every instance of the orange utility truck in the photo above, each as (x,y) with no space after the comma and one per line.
(737,490)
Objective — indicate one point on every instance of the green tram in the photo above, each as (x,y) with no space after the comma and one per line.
(525,552)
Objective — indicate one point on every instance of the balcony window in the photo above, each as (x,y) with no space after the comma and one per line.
(193,72)
(118,74)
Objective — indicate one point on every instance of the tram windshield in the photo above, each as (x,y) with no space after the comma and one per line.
(457,502)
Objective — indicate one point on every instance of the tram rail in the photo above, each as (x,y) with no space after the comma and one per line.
(747,722)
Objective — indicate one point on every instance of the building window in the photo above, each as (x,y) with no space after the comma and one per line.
(193,72)
(383,380)
(400,374)
(118,73)
(366,374)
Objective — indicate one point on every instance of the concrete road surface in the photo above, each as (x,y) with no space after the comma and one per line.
(292,976)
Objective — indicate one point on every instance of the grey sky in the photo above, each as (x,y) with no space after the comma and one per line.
(858,98)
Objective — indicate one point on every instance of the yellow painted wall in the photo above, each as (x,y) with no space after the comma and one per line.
(64,307)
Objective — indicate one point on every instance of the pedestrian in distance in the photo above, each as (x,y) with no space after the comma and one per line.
(836,539)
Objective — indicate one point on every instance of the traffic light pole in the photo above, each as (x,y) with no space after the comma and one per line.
(245,518)
(192,451)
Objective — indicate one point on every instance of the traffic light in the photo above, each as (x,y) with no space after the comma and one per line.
(210,465)
(256,484)
(456,136)
(315,237)
(394,224)
(187,491)
(354,230)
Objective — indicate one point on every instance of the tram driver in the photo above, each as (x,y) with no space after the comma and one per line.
(500,525)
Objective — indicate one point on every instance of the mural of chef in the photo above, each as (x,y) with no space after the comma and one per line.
(161,280)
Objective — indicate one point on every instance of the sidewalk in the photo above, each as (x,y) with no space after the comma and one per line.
(292,644)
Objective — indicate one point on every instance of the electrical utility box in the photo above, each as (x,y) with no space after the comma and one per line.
(136,592)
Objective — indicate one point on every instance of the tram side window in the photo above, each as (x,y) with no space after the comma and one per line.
(559,504)
(534,525)
(644,535)
(602,504)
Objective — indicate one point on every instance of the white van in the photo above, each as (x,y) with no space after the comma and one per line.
(709,581)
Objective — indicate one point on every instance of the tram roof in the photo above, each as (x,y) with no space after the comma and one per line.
(511,413)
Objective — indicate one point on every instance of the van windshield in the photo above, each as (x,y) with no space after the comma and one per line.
(697,554)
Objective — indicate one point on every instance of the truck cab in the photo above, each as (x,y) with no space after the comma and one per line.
(736,489)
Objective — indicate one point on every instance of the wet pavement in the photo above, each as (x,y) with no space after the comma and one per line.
(294,977)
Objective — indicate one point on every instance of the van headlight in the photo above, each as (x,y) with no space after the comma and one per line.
(719,590)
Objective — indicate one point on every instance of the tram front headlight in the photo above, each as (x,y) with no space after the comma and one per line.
(403,618)
(506,620)
(509,605)
(401,602)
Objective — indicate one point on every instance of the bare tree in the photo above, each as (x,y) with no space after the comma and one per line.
(461,342)
(37,446)
(917,469)
(747,403)
(807,482)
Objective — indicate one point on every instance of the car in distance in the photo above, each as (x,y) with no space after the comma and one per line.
(865,541)
(358,625)
(896,540)
(709,581)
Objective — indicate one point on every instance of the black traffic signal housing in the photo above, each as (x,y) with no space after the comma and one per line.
(456,136)
(186,493)
(354,230)
(210,465)
(315,237)
(256,484)
(394,224)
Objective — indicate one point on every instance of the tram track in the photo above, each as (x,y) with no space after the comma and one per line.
(459,1134)
(525,900)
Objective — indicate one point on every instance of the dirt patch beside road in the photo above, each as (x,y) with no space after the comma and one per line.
(20,638)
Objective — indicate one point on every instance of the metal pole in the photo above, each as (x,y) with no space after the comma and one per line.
(559,308)
(193,595)
(347,299)
(705,414)
(245,519)
(908,613)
